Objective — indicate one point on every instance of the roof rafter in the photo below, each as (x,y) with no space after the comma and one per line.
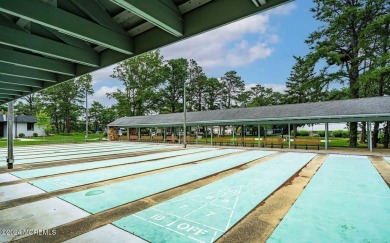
(5,79)
(36,62)
(70,24)
(16,88)
(164,15)
(13,70)
(16,93)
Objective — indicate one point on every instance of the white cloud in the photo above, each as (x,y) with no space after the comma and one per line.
(101,97)
(102,74)
(224,47)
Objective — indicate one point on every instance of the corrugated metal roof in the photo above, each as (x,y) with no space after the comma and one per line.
(20,119)
(365,109)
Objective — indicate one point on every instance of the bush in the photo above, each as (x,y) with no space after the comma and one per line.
(321,133)
(345,134)
(105,134)
(124,133)
(21,135)
(339,133)
(35,134)
(303,133)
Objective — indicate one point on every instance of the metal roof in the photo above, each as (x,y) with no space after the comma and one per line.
(45,42)
(20,119)
(365,109)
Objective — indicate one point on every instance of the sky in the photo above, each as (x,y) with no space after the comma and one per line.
(260,48)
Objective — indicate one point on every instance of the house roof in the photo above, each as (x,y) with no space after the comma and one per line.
(20,119)
(365,109)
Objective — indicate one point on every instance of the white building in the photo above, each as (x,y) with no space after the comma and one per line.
(22,124)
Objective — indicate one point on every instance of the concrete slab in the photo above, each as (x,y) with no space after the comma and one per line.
(205,214)
(346,201)
(103,163)
(18,191)
(6,177)
(107,233)
(105,197)
(36,217)
(88,177)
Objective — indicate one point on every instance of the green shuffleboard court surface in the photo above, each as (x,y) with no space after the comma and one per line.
(73,151)
(79,156)
(345,201)
(205,214)
(105,197)
(88,177)
(104,163)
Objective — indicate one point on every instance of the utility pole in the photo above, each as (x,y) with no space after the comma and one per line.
(185,117)
(86,115)
(10,140)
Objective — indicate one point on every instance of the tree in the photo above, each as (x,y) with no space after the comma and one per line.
(261,96)
(233,88)
(43,122)
(101,116)
(213,90)
(340,42)
(141,77)
(196,86)
(172,90)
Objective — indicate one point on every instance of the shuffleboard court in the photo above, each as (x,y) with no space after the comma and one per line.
(104,163)
(12,192)
(73,152)
(345,201)
(77,156)
(387,159)
(6,177)
(105,197)
(88,177)
(203,215)
(41,215)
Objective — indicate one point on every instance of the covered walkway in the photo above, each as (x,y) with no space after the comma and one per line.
(353,110)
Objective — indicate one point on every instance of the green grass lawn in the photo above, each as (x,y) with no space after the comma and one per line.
(72,138)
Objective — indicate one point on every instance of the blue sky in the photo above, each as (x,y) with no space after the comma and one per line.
(260,48)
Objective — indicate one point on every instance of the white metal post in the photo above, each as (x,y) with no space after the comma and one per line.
(258,134)
(139,133)
(86,115)
(165,134)
(289,136)
(370,136)
(211,135)
(234,131)
(10,140)
(197,134)
(326,136)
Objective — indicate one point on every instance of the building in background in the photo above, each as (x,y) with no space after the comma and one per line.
(22,124)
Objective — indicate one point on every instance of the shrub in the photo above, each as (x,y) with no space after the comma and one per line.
(105,134)
(35,134)
(124,133)
(321,133)
(303,133)
(21,135)
(345,134)
(337,133)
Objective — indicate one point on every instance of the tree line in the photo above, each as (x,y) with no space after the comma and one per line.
(350,50)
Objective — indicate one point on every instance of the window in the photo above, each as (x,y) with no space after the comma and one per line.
(30,126)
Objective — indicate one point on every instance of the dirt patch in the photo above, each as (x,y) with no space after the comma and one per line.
(259,224)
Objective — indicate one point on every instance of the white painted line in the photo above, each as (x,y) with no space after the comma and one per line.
(8,177)
(234,207)
(41,215)
(107,233)
(18,191)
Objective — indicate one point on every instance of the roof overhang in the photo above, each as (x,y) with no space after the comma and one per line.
(46,42)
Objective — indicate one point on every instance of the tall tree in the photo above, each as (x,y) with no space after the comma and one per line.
(261,96)
(141,77)
(213,93)
(172,90)
(234,86)
(101,116)
(339,42)
(196,86)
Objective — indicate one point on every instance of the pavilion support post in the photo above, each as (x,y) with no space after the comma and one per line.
(139,134)
(369,136)
(197,134)
(165,134)
(10,135)
(289,136)
(212,135)
(150,134)
(258,134)
(234,131)
(128,134)
(179,135)
(326,136)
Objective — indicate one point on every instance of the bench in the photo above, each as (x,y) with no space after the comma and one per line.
(171,139)
(190,140)
(158,139)
(133,138)
(221,140)
(145,138)
(246,141)
(273,141)
(307,142)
